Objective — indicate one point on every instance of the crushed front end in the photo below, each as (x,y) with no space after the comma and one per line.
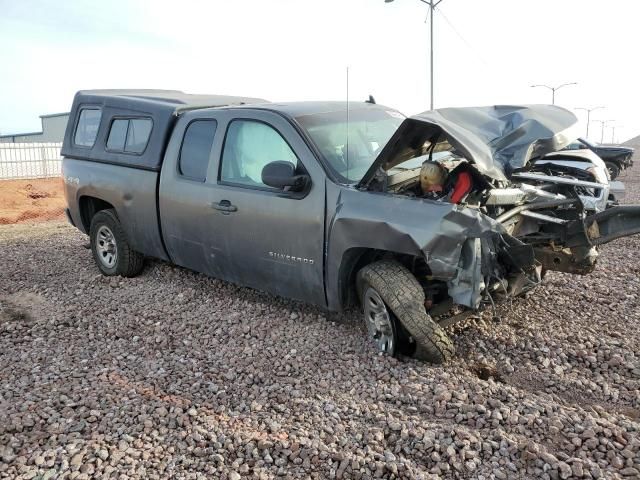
(519,210)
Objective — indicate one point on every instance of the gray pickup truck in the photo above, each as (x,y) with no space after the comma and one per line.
(420,220)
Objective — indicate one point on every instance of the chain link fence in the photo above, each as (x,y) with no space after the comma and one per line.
(30,183)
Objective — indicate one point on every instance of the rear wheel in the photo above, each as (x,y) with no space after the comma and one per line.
(111,250)
(402,299)
(614,170)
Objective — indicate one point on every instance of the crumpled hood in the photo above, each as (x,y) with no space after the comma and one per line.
(497,139)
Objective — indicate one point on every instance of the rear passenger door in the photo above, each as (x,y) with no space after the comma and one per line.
(187,190)
(273,239)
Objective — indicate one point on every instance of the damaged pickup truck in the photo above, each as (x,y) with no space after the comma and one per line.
(421,220)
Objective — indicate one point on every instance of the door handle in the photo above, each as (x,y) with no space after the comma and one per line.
(225,207)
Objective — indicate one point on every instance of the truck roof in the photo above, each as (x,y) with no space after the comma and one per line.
(161,108)
(174,100)
(300,109)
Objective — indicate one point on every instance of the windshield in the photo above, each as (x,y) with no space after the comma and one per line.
(350,148)
(579,144)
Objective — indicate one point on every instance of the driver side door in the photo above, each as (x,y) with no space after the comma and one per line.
(273,239)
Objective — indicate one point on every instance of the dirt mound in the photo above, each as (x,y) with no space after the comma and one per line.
(633,142)
(31,200)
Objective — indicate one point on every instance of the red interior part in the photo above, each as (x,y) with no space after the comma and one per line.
(462,187)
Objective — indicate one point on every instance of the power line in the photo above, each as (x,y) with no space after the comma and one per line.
(432,6)
(469,46)
(504,74)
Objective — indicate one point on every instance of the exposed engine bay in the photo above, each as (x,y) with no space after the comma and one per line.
(455,180)
(542,198)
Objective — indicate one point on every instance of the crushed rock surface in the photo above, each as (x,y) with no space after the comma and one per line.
(176,375)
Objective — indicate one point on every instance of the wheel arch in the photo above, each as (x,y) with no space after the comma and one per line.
(615,162)
(619,160)
(89,206)
(356,258)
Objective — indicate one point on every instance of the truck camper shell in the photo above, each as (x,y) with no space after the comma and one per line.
(94,111)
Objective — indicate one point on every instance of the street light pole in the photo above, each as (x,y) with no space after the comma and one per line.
(588,110)
(602,124)
(432,6)
(553,90)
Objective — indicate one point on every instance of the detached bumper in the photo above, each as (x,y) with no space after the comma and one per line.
(572,250)
(603,227)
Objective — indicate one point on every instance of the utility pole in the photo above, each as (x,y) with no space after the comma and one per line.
(553,90)
(432,6)
(588,110)
(602,133)
(613,132)
(602,124)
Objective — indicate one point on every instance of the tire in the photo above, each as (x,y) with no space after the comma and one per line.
(111,250)
(614,169)
(403,294)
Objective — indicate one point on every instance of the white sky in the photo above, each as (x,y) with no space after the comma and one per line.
(299,50)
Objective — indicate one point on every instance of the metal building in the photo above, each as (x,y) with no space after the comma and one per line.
(53,127)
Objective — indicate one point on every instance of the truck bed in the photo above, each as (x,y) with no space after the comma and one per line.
(131,191)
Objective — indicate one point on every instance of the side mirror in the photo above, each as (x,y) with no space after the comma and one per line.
(281,174)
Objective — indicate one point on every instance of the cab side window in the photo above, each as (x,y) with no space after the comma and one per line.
(196,149)
(248,147)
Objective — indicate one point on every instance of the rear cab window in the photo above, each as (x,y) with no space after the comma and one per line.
(87,127)
(129,135)
(195,151)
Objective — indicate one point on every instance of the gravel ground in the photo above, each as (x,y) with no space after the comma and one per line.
(175,375)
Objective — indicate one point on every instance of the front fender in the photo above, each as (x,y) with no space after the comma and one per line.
(436,231)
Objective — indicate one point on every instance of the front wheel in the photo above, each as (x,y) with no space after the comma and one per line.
(389,291)
(111,250)
(381,326)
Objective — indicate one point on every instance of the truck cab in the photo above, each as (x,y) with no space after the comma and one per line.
(183,175)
